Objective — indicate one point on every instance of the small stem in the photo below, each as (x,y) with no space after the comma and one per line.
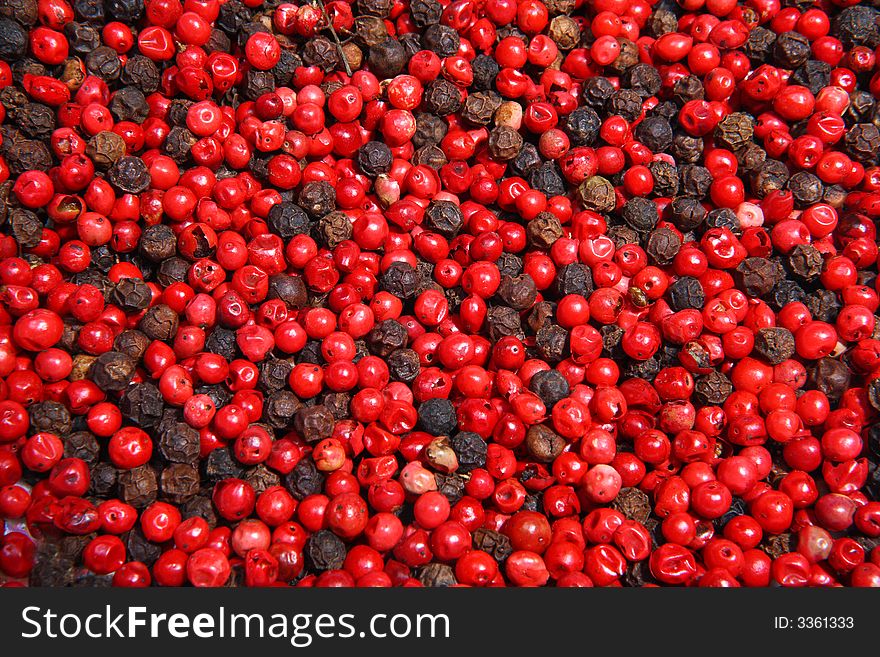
(335,37)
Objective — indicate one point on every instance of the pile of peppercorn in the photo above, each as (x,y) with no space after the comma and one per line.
(420,292)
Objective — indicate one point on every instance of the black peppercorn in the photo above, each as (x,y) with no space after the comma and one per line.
(712,389)
(138,487)
(518,292)
(437,417)
(552,343)
(112,371)
(325,551)
(550,386)
(159,323)
(686,292)
(662,246)
(863,142)
(543,444)
(441,39)
(640,213)
(544,230)
(304,479)
(179,483)
(142,404)
(314,423)
(374,158)
(504,143)
(756,276)
(503,321)
(404,365)
(441,97)
(129,175)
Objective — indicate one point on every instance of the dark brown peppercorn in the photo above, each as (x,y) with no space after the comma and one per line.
(479,107)
(370,30)
(82,445)
(712,389)
(105,148)
(633,504)
(103,479)
(142,404)
(132,343)
(444,217)
(129,175)
(28,155)
(325,551)
(775,344)
(304,479)
(36,120)
(640,213)
(386,337)
(543,444)
(129,104)
(180,443)
(694,180)
(400,279)
(429,155)
(374,158)
(863,142)
(686,292)
(791,50)
(518,292)
(158,243)
(626,103)
(443,98)
(806,188)
(159,323)
(565,32)
(280,409)
(334,228)
(179,483)
(831,377)
(314,423)
(112,371)
(756,276)
(541,315)
(552,343)
(221,465)
(496,544)
(504,143)
(688,88)
(437,575)
(321,52)
(141,72)
(597,92)
(735,130)
(27,229)
(290,289)
(442,40)
(597,194)
(317,198)
(430,129)
(806,261)
(49,417)
(387,58)
(504,321)
(404,365)
(425,12)
(261,478)
(628,57)
(575,278)
(686,213)
(138,487)
(663,245)
(544,230)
